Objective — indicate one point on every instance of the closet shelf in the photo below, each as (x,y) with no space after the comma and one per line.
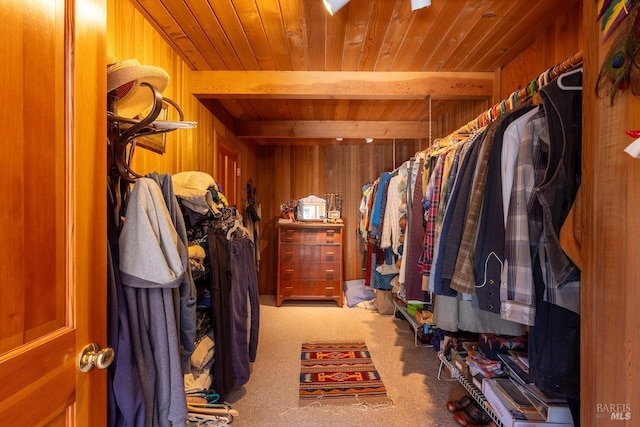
(156,126)
(399,308)
(471,389)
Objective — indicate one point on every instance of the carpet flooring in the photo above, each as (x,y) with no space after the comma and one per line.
(270,397)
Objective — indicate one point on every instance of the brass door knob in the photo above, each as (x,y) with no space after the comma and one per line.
(91,356)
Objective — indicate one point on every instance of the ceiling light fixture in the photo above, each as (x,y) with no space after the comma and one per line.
(419,4)
(368,140)
(334,5)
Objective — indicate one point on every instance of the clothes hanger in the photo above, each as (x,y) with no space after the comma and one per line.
(212,408)
(536,85)
(543,79)
(486,118)
(209,395)
(503,106)
(514,99)
(569,73)
(237,226)
(232,230)
(481,120)
(533,87)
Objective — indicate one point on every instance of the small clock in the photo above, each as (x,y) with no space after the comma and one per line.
(333,214)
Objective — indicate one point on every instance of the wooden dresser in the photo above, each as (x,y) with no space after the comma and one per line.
(309,261)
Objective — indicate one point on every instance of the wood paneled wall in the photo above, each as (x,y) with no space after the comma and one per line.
(129,35)
(292,172)
(554,43)
(457,115)
(610,335)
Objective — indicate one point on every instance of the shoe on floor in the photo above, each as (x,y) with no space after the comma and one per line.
(459,405)
(471,416)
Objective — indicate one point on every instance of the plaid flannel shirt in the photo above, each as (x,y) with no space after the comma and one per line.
(524,225)
(430,205)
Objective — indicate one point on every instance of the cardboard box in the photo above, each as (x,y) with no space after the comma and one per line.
(508,414)
(554,409)
(553,412)
(477,380)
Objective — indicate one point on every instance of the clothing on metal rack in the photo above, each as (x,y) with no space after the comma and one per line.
(152,272)
(520,95)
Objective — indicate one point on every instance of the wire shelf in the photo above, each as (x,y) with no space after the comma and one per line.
(471,389)
(415,325)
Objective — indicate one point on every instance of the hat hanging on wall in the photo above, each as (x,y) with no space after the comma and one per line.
(126,77)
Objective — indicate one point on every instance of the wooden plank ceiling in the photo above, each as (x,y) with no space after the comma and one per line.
(286,70)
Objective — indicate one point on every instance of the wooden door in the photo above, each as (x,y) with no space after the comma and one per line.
(227,172)
(53,216)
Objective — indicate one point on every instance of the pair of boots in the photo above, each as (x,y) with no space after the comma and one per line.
(467,412)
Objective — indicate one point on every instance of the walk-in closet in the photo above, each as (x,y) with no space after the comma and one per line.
(320,213)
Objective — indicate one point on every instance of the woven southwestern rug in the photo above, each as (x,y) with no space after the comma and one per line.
(339,374)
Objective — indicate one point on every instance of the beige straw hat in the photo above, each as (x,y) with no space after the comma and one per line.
(126,77)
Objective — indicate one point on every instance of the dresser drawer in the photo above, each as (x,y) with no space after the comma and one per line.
(289,254)
(309,271)
(330,272)
(309,253)
(288,272)
(330,253)
(319,236)
(315,289)
(317,271)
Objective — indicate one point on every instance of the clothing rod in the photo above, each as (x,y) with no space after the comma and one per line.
(520,95)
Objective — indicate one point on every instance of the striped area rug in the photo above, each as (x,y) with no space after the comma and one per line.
(340,373)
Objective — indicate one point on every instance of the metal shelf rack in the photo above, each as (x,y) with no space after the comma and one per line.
(398,308)
(472,389)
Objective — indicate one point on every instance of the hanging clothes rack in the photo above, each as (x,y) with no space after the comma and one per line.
(123,136)
(520,95)
(123,133)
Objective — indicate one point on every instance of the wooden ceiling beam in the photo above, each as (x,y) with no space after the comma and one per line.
(285,129)
(341,84)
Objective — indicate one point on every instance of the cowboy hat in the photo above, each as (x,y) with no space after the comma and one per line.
(126,77)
